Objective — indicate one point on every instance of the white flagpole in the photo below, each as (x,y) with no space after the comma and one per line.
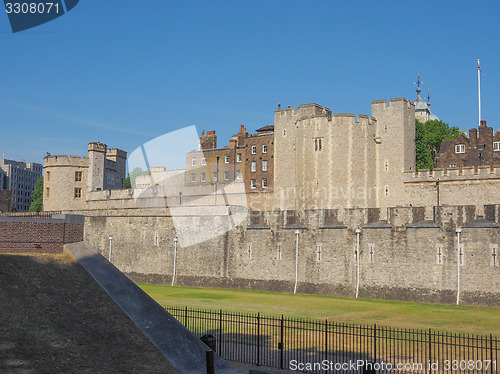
(479,89)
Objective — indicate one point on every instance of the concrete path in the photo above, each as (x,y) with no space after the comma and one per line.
(182,349)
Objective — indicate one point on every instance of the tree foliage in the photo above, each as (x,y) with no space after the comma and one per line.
(428,139)
(130,181)
(37,195)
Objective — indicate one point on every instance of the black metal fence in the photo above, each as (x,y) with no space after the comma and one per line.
(329,347)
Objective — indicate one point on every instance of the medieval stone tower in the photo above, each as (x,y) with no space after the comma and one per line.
(328,161)
(395,149)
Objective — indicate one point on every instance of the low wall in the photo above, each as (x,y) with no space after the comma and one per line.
(28,234)
(406,258)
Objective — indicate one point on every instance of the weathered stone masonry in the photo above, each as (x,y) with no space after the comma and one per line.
(406,258)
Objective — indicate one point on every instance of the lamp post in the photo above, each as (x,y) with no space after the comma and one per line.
(297,233)
(358,232)
(110,240)
(175,259)
(458,231)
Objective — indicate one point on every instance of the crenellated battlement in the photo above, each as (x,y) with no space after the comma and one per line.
(360,119)
(97,147)
(116,153)
(452,174)
(392,102)
(303,112)
(65,160)
(444,217)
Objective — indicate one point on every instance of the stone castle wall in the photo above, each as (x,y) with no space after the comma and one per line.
(468,185)
(405,258)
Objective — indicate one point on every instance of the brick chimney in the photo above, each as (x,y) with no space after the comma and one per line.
(208,141)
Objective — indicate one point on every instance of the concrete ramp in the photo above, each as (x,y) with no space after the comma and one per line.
(182,349)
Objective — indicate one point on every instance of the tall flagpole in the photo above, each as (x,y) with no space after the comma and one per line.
(479,89)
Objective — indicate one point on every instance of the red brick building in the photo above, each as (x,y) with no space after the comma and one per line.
(248,159)
(480,148)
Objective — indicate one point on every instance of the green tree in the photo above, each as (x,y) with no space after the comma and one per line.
(428,139)
(37,195)
(128,184)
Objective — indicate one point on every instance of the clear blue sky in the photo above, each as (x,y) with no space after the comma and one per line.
(126,71)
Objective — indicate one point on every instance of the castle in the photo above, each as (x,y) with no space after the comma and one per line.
(310,158)
(341,188)
(68,179)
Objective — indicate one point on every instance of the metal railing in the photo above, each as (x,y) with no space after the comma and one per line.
(323,346)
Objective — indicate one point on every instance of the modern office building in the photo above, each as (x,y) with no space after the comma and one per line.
(20,178)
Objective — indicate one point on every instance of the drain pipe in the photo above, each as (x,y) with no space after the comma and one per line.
(110,240)
(358,231)
(458,231)
(297,232)
(175,258)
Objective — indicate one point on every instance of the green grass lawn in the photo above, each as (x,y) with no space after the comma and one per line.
(475,320)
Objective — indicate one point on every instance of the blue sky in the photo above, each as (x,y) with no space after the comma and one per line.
(126,71)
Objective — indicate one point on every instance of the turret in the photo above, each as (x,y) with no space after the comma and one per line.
(97,155)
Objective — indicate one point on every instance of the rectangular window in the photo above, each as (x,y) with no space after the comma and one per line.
(453,165)
(78,176)
(278,254)
(193,161)
(226,159)
(157,238)
(318,144)
(203,177)
(238,174)
(78,193)
(48,176)
(264,165)
(460,148)
(253,166)
(226,175)
(264,148)
(47,192)
(203,160)
(193,177)
(253,184)
(238,157)
(264,183)
(496,146)
(214,176)
(254,149)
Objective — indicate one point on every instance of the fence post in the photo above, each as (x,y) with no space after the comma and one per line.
(210,362)
(375,342)
(326,339)
(491,353)
(281,342)
(258,339)
(186,317)
(430,349)
(220,333)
